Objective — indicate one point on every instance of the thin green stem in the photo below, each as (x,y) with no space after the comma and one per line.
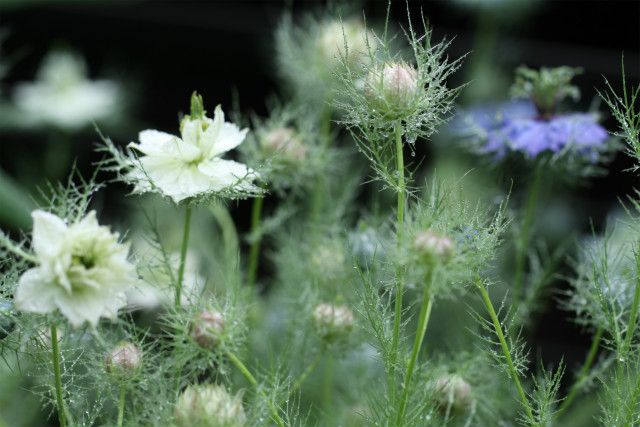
(505,350)
(55,359)
(305,374)
(582,375)
(254,382)
(397,320)
(524,236)
(123,392)
(325,142)
(633,317)
(254,251)
(630,412)
(423,322)
(327,393)
(183,253)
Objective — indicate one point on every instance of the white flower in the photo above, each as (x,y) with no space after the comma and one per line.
(62,95)
(82,270)
(191,165)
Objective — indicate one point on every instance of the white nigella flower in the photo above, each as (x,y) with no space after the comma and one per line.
(62,95)
(82,270)
(191,165)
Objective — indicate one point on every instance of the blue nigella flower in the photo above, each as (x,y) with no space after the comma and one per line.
(517,126)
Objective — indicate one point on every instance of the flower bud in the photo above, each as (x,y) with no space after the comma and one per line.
(124,359)
(392,87)
(335,34)
(433,247)
(209,406)
(454,392)
(207,329)
(332,322)
(285,142)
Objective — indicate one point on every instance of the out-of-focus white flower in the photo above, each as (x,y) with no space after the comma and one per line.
(191,165)
(62,95)
(82,270)
(155,288)
(209,406)
(335,34)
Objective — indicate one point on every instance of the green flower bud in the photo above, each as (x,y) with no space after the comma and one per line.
(284,141)
(392,87)
(433,247)
(207,329)
(452,391)
(209,406)
(124,360)
(332,322)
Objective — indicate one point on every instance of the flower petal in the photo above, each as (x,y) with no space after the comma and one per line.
(226,173)
(48,231)
(35,292)
(230,137)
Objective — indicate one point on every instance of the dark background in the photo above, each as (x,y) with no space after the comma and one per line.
(164,50)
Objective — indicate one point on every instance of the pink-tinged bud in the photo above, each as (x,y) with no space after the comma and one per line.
(209,406)
(125,359)
(433,246)
(332,322)
(452,391)
(286,142)
(207,329)
(394,86)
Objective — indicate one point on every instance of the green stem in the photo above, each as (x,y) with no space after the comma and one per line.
(328,385)
(632,403)
(505,350)
(524,237)
(582,375)
(423,321)
(633,317)
(254,382)
(397,320)
(55,359)
(254,251)
(303,377)
(183,253)
(121,405)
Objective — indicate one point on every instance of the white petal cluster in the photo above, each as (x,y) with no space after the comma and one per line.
(332,322)
(191,165)
(209,406)
(82,270)
(62,96)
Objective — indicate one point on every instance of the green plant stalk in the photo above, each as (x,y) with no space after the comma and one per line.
(633,317)
(397,320)
(55,359)
(254,250)
(505,350)
(524,237)
(423,322)
(630,412)
(325,142)
(327,390)
(584,371)
(121,405)
(305,374)
(183,253)
(254,382)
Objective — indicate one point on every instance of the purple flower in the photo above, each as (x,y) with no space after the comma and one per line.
(517,126)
